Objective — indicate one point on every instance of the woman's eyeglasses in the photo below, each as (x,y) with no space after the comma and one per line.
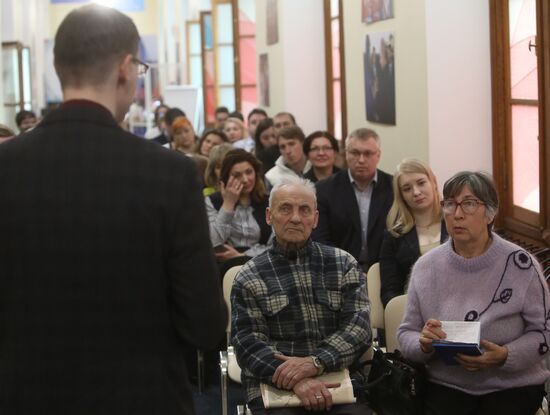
(468,206)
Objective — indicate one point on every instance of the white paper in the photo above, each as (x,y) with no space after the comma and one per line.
(462,331)
(279,398)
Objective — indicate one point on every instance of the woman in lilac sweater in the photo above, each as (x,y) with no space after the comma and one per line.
(478,276)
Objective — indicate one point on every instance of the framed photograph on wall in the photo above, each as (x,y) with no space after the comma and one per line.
(379,72)
(264,80)
(272,24)
(376,10)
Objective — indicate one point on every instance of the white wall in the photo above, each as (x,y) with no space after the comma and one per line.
(443,83)
(296,63)
(409,137)
(459,86)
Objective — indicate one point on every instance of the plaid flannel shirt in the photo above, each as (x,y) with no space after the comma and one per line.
(300,303)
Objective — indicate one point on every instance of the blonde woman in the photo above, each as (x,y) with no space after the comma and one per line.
(235,130)
(414,226)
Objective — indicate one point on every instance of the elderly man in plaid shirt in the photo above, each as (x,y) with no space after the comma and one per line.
(298,309)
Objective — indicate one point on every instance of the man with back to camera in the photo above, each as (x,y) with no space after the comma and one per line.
(106,268)
(292,162)
(298,309)
(354,203)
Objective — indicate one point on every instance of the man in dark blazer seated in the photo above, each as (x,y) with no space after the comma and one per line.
(106,268)
(353,203)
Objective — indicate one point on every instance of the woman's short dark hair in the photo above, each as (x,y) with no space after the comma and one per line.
(482,186)
(318,134)
(239,155)
(209,131)
(263,125)
(90,41)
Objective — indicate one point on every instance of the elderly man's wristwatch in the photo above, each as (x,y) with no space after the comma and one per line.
(318,364)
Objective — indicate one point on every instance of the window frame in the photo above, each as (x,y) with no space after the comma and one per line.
(513,219)
(330,79)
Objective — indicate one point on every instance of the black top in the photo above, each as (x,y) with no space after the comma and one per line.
(310,175)
(106,270)
(397,258)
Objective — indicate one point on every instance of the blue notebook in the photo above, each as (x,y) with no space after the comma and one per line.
(447,351)
(462,337)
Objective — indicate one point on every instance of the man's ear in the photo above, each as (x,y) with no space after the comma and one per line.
(316,219)
(124,69)
(268,216)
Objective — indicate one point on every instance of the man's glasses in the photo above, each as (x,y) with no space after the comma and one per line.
(142,66)
(324,149)
(468,206)
(356,154)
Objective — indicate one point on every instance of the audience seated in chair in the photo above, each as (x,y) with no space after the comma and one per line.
(354,203)
(414,226)
(478,276)
(321,149)
(299,309)
(293,161)
(236,213)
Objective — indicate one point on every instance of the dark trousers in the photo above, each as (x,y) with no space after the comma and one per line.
(257,408)
(441,400)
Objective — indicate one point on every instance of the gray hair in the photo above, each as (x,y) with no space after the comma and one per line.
(482,186)
(364,134)
(304,184)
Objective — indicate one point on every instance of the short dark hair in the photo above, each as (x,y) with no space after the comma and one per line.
(206,133)
(89,42)
(318,134)
(222,109)
(236,114)
(23,115)
(482,186)
(291,132)
(256,111)
(239,155)
(288,114)
(172,114)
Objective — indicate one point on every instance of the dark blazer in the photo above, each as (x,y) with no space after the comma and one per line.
(106,270)
(339,220)
(310,174)
(397,258)
(258,211)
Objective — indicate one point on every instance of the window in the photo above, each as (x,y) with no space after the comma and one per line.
(17,79)
(235,53)
(520,35)
(335,66)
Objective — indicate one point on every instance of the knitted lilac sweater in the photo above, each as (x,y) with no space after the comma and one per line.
(503,290)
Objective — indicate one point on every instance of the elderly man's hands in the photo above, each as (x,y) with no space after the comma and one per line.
(314,394)
(292,370)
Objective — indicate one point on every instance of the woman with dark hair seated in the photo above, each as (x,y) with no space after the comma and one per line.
(237,212)
(320,148)
(264,139)
(210,139)
(414,226)
(476,276)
